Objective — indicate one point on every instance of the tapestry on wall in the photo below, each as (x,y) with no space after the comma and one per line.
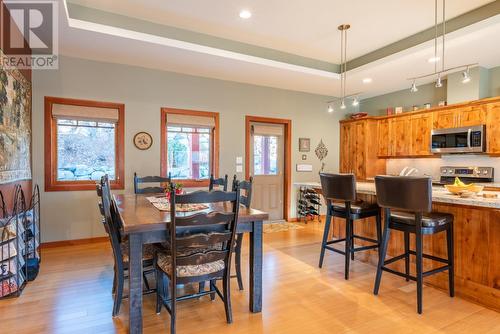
(15,125)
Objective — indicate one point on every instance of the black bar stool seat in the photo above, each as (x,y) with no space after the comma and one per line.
(407,204)
(358,207)
(339,191)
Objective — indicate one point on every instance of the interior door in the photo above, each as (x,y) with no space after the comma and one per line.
(266,167)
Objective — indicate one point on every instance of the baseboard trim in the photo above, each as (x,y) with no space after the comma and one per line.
(295,219)
(74,242)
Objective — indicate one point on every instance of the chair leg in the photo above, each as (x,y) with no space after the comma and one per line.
(120,277)
(451,270)
(378,222)
(173,305)
(159,290)
(419,260)
(381,260)
(113,289)
(328,221)
(212,288)
(347,247)
(237,260)
(351,227)
(146,283)
(227,299)
(407,254)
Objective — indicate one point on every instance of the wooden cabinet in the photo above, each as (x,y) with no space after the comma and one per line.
(493,128)
(383,149)
(400,136)
(421,127)
(461,116)
(445,119)
(358,149)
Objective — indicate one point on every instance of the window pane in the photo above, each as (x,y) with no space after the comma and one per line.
(265,155)
(188,154)
(85,153)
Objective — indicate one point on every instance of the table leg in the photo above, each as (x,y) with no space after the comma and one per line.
(135,283)
(256,267)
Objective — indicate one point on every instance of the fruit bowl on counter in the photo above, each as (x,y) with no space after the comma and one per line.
(462,189)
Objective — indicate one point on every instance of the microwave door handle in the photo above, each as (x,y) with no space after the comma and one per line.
(469,135)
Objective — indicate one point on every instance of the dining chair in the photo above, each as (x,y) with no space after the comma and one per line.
(201,245)
(220,182)
(245,199)
(407,203)
(150,179)
(113,224)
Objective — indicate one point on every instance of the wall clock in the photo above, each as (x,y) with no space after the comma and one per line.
(143,140)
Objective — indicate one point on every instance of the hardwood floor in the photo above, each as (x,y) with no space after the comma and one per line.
(72,294)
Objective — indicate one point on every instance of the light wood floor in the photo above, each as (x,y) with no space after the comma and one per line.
(73,295)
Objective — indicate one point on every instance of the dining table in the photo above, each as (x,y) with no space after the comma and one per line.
(144,224)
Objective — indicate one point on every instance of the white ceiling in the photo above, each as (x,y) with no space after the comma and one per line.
(307,35)
(303,27)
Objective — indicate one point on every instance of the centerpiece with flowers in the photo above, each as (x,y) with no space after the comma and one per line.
(173,186)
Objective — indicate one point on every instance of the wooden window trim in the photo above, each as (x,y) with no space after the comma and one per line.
(51,183)
(215,144)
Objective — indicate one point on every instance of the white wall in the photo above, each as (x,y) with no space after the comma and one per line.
(74,215)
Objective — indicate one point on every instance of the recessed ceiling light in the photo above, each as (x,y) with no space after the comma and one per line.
(367,80)
(245,14)
(433,59)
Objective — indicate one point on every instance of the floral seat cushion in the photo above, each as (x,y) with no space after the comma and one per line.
(148,251)
(164,262)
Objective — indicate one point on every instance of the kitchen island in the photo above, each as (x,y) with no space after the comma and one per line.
(476,237)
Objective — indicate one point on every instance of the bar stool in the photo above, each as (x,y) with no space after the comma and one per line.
(411,199)
(342,189)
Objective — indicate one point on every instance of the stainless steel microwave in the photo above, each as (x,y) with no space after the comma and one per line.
(469,139)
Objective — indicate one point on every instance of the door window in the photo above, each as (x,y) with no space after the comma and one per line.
(265,155)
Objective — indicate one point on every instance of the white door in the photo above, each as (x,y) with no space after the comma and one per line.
(266,167)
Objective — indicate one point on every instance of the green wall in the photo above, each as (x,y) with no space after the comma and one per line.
(74,215)
(495,81)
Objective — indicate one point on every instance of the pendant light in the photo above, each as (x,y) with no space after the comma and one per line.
(343,72)
(438,74)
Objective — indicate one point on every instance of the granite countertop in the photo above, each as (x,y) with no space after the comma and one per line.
(439,195)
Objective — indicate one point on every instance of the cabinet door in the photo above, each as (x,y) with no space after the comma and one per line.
(421,127)
(400,136)
(445,119)
(359,151)
(493,128)
(470,116)
(383,138)
(345,148)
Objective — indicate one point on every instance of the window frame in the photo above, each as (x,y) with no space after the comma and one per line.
(51,182)
(214,155)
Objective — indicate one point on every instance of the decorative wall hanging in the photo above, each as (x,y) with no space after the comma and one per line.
(15,125)
(143,140)
(321,152)
(304,144)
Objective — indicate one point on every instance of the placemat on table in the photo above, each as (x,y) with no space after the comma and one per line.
(162,204)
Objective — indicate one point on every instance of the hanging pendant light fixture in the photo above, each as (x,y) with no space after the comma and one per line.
(343,72)
(439,73)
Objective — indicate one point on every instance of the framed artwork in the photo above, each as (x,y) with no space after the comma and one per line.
(304,144)
(15,125)
(143,140)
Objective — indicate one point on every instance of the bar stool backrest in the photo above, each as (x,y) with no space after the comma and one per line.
(340,187)
(407,193)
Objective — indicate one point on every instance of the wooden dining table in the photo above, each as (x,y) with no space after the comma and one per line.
(145,224)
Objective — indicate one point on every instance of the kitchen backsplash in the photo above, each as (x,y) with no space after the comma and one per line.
(431,166)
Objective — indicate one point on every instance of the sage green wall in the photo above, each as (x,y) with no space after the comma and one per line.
(477,88)
(74,215)
(495,81)
(426,94)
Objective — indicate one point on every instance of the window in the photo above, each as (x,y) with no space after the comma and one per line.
(265,155)
(83,142)
(190,146)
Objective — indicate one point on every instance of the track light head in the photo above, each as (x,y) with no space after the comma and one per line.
(466,76)
(413,87)
(439,82)
(355,102)
(342,105)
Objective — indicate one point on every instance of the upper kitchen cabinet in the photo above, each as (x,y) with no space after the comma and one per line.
(400,136)
(358,149)
(384,149)
(493,128)
(421,127)
(459,117)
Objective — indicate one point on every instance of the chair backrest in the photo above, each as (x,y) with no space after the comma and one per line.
(340,187)
(111,218)
(221,182)
(206,236)
(150,179)
(245,190)
(406,193)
